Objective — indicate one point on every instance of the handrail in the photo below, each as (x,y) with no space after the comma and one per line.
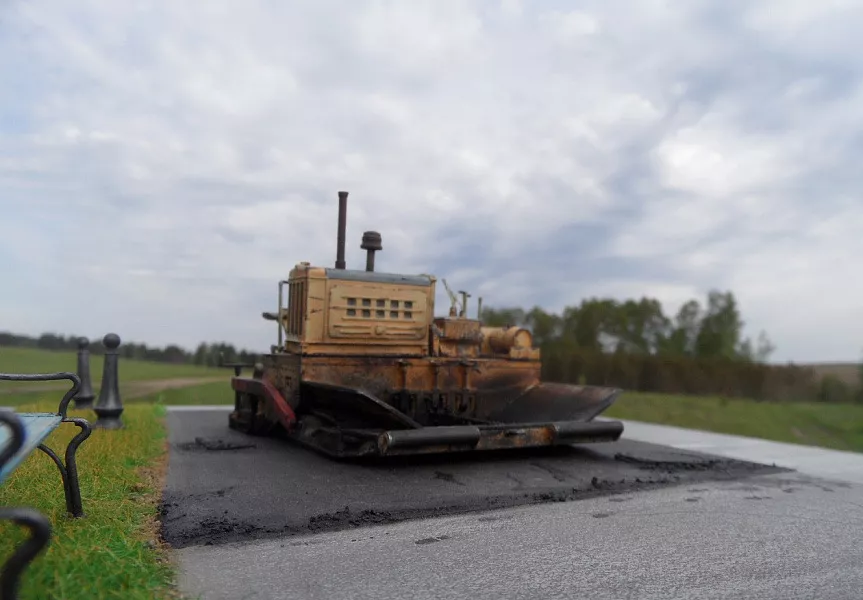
(67,398)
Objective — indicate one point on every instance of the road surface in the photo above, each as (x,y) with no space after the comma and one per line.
(610,521)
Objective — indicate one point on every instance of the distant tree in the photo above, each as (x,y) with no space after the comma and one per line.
(681,341)
(745,351)
(544,326)
(639,326)
(200,356)
(205,354)
(765,348)
(175,354)
(720,329)
(587,324)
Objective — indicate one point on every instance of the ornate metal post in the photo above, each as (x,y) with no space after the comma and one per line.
(109,407)
(85,396)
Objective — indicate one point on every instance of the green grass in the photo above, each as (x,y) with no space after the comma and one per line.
(110,553)
(114,551)
(218,392)
(208,393)
(837,426)
(28,360)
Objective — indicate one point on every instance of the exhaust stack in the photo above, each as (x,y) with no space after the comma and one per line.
(340,242)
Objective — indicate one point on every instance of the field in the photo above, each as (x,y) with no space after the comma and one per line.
(137,378)
(165,391)
(27,360)
(847,372)
(837,426)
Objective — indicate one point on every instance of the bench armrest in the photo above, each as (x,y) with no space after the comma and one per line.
(67,398)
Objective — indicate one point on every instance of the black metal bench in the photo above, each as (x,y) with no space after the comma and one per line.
(22,435)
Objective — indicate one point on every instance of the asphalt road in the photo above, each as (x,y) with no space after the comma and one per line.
(775,537)
(276,521)
(225,486)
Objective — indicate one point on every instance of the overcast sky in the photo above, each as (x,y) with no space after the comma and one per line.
(164,164)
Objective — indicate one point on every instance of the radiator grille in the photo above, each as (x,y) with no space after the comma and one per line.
(296,307)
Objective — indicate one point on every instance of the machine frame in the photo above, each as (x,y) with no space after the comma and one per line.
(363,367)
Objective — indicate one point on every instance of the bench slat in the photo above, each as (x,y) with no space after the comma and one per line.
(37,426)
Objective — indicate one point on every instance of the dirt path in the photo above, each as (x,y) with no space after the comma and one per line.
(131,389)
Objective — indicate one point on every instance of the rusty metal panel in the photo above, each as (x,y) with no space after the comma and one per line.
(381,374)
(284,371)
(555,401)
(314,311)
(429,389)
(491,390)
(459,329)
(458,337)
(276,408)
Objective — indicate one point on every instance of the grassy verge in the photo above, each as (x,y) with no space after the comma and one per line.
(29,360)
(837,426)
(112,552)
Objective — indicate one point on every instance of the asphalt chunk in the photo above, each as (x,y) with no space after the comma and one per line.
(212,445)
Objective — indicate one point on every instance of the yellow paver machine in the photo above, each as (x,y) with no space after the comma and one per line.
(363,367)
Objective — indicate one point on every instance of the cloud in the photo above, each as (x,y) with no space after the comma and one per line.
(163,165)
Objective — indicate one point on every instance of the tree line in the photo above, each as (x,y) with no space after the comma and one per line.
(712,330)
(633,344)
(205,354)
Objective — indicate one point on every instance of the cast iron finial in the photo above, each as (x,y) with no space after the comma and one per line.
(84,398)
(109,406)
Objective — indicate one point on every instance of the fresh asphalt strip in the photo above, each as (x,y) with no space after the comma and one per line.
(224,486)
